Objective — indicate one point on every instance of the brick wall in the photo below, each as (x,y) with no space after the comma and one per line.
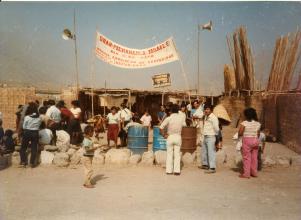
(280,114)
(10,98)
(289,120)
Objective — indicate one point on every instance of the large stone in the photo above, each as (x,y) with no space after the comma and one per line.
(77,157)
(99,158)
(198,155)
(283,161)
(238,160)
(187,159)
(148,158)
(15,160)
(51,148)
(46,157)
(296,160)
(71,151)
(118,156)
(61,159)
(160,158)
(4,161)
(268,162)
(135,159)
(63,140)
(221,157)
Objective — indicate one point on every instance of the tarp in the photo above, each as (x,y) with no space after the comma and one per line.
(221,112)
(124,57)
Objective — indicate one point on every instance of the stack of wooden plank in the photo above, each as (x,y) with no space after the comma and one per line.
(286,55)
(242,59)
(229,78)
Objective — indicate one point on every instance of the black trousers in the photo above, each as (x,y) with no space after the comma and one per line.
(32,138)
(259,160)
(124,135)
(75,132)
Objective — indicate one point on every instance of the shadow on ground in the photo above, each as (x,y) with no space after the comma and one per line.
(97,178)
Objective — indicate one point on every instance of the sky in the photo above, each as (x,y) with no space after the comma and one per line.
(32,51)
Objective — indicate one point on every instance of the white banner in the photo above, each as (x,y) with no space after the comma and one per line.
(123,57)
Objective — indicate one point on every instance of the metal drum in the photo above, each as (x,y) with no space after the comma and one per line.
(159,143)
(189,135)
(138,139)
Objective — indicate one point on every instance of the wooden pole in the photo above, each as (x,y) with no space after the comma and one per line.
(92,80)
(130,105)
(182,69)
(93,74)
(198,90)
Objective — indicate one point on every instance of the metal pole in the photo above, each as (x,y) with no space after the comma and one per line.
(76,62)
(198,89)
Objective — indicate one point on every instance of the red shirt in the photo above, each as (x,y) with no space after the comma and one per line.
(66,114)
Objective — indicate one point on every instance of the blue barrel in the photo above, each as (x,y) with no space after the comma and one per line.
(159,143)
(138,139)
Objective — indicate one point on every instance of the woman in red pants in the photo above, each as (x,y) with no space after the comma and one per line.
(113,120)
(249,130)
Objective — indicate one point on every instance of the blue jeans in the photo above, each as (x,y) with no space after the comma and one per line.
(208,151)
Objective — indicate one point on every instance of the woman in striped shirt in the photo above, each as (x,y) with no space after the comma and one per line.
(249,130)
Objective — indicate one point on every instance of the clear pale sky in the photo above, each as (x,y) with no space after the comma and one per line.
(32,51)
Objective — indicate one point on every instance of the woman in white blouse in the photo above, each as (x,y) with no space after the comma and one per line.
(249,130)
(113,120)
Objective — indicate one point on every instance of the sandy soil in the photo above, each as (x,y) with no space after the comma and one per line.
(147,193)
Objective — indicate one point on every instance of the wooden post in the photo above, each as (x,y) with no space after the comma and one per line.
(130,105)
(92,80)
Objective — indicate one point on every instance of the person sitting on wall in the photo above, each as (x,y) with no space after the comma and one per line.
(134,122)
(8,144)
(66,115)
(54,121)
(146,119)
(113,121)
(45,135)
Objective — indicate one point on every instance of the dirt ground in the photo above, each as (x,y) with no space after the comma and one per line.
(147,193)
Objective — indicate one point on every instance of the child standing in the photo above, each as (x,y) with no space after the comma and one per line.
(261,138)
(89,149)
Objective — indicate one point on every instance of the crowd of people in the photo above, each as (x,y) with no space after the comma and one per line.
(37,125)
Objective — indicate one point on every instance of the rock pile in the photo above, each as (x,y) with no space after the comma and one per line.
(148,158)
